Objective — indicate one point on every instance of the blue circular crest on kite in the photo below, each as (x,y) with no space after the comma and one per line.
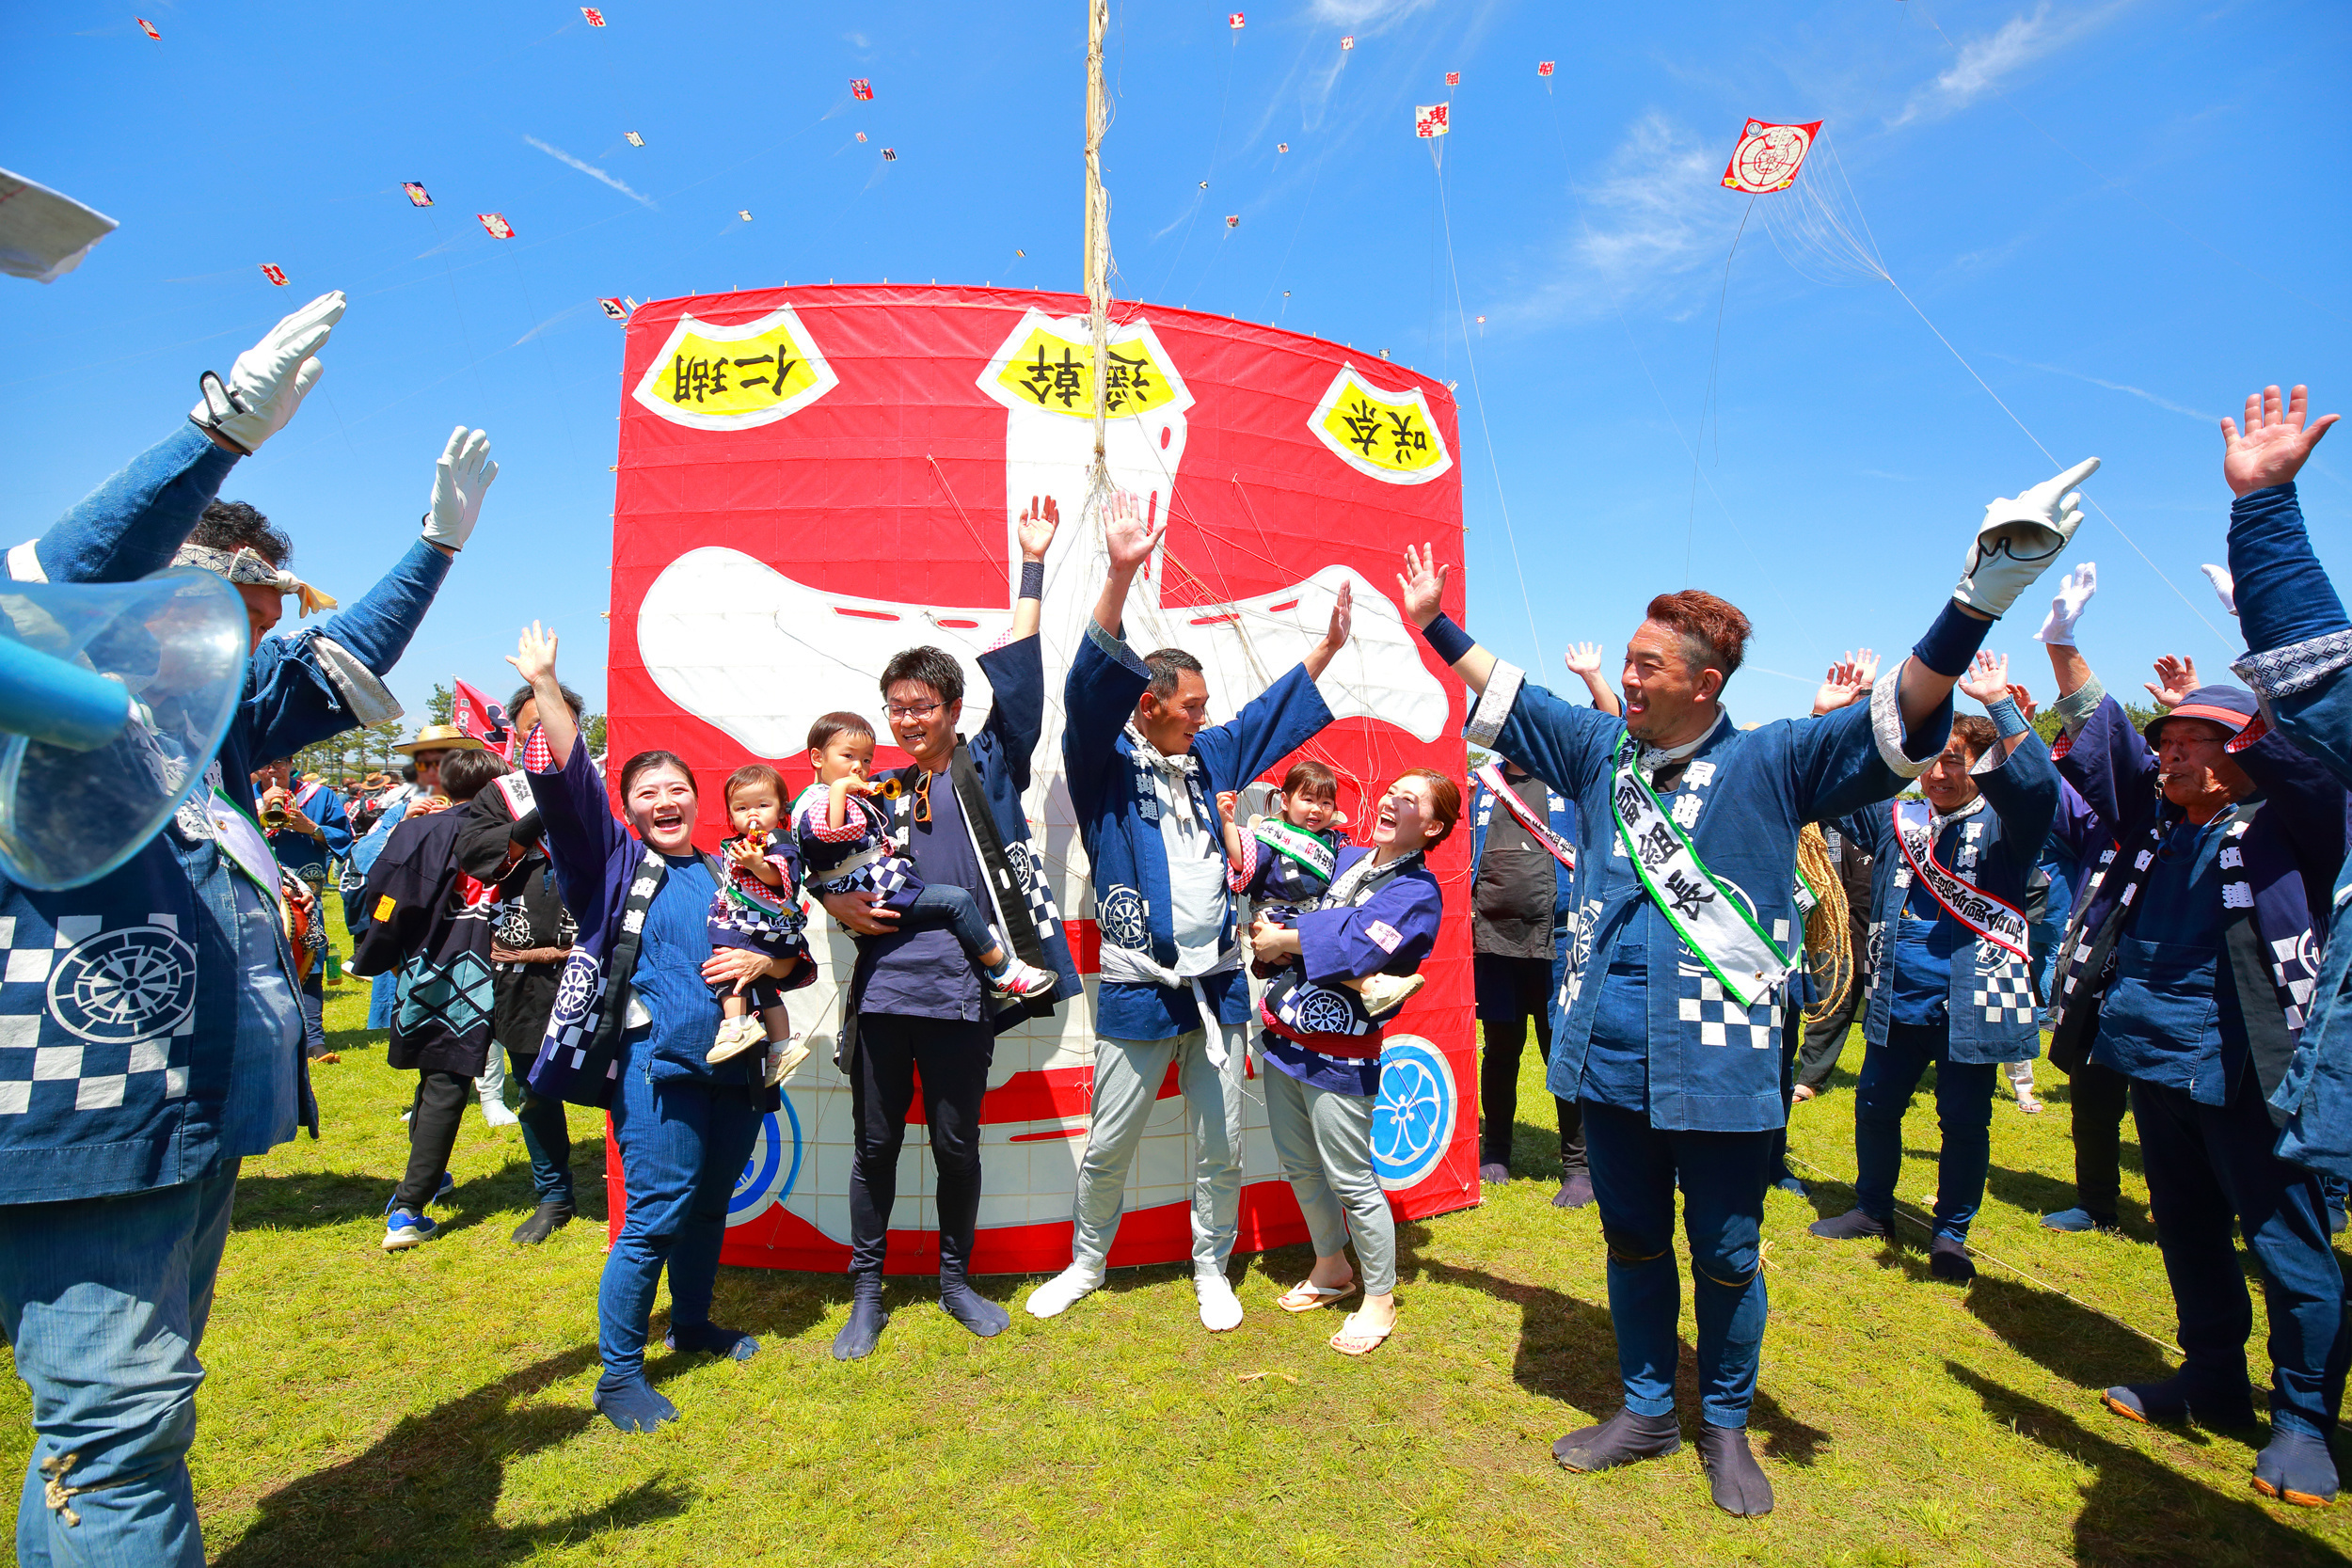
(1412,1121)
(757,1186)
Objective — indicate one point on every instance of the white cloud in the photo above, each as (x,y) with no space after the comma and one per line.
(1983,62)
(1367,16)
(590,170)
(1656,214)
(2141,393)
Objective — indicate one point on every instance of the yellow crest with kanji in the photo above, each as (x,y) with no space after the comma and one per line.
(735,377)
(1387,434)
(1048,363)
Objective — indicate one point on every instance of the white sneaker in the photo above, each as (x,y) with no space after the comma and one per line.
(1383,994)
(737,1036)
(497,1115)
(1220,1310)
(1024,980)
(784,1059)
(1059,1294)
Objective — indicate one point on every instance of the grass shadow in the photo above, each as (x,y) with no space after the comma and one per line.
(2137,1509)
(304,1201)
(428,1490)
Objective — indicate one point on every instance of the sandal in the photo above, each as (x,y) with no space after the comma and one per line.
(1375,1338)
(1314,1296)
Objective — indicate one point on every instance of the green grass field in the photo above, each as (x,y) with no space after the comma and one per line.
(431,1407)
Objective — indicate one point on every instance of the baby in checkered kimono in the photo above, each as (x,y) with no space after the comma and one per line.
(757,908)
(845,840)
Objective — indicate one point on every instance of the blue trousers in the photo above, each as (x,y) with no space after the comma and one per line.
(1723,1176)
(105,1300)
(547,1140)
(2210,1165)
(684,1144)
(382,1000)
(1964,1107)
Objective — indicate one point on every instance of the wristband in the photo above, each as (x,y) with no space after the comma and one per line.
(1032,580)
(1448,641)
(1952,642)
(2007,721)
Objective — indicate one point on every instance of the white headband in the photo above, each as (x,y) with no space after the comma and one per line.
(244,566)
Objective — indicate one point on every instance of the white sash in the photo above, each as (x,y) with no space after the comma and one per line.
(247,847)
(2002,924)
(1562,850)
(1712,920)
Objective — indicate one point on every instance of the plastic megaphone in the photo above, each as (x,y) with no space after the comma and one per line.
(113,700)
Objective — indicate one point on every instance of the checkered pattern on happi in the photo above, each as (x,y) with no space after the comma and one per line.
(1723,1021)
(884,876)
(89,1013)
(2004,992)
(1029,871)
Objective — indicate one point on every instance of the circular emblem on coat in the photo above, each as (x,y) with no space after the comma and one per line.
(1412,1121)
(120,985)
(775,1165)
(575,991)
(1324,1012)
(514,926)
(1122,917)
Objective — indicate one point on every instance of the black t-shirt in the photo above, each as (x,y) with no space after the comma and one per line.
(1511,900)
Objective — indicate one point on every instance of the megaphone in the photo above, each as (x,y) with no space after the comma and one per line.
(114,698)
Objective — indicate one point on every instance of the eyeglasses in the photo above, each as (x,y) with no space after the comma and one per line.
(897,714)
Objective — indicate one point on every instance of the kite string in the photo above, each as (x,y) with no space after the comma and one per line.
(1478,396)
(1690,528)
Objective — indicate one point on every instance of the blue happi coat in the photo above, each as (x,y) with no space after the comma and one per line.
(1712,1066)
(1990,1007)
(1127,863)
(119,1010)
(2299,643)
(2288,854)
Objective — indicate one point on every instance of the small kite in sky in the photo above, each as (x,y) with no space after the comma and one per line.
(614,309)
(1482,321)
(1429,120)
(1232,220)
(416,194)
(1453,78)
(861,87)
(496,225)
(148,27)
(1348,42)
(1543,68)
(743,213)
(274,272)
(861,135)
(1234,22)
(1282,146)
(596,17)
(890,154)
(1021,253)
(1204,184)
(1769,156)
(634,139)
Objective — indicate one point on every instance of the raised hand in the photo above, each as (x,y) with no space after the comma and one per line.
(1128,535)
(2224,585)
(1228,801)
(1845,682)
(269,380)
(1335,636)
(2275,443)
(533,657)
(2176,678)
(2024,699)
(462,475)
(2076,590)
(2019,538)
(1583,659)
(1036,527)
(1987,679)
(1423,584)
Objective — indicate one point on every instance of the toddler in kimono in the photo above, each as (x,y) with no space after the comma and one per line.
(757,906)
(845,842)
(1283,864)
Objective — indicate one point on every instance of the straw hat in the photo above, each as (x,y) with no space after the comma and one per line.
(439,738)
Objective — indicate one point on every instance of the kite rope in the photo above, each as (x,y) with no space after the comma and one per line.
(1470,358)
(1714,362)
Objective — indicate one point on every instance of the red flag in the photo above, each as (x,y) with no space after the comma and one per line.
(861,87)
(148,27)
(496,224)
(472,711)
(275,273)
(1769,156)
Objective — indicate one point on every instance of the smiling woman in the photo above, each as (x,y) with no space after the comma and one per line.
(631,1032)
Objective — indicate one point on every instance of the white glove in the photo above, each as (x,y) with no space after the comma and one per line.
(2019,539)
(269,380)
(2223,584)
(2075,591)
(460,476)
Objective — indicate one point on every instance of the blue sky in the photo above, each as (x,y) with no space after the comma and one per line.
(2122,214)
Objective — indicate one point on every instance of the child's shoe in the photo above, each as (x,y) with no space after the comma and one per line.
(736,1035)
(784,1059)
(1023,980)
(1384,995)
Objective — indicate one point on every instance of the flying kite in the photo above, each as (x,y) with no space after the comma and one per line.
(743,213)
(861,87)
(1204,184)
(1769,156)
(1234,22)
(1543,68)
(148,27)
(890,154)
(1232,220)
(1348,42)
(1282,146)
(275,273)
(631,303)
(861,135)
(496,224)
(634,139)
(614,309)
(416,194)
(1429,120)
(596,17)
(1453,78)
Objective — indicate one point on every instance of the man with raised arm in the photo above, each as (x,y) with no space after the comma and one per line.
(1667,1026)
(1145,769)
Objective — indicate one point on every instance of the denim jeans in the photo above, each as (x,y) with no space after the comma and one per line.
(683,1146)
(1635,1168)
(105,1300)
(547,1140)
(383,1002)
(1963,1108)
(2207,1166)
